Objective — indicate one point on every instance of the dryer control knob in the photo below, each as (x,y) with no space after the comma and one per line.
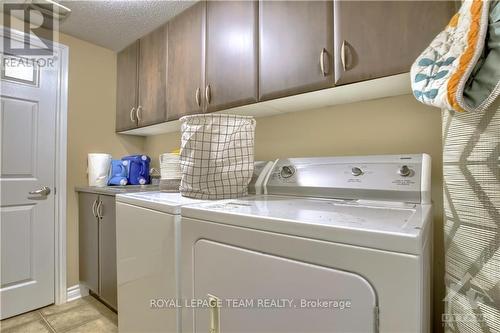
(404,171)
(287,171)
(356,171)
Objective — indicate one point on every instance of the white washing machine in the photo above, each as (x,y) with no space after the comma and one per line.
(339,244)
(147,236)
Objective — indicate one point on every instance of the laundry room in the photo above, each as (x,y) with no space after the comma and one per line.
(250,166)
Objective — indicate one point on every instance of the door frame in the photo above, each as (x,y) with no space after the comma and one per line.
(60,161)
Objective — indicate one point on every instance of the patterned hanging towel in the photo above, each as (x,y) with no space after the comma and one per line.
(460,70)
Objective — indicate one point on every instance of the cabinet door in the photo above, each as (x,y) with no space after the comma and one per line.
(107,249)
(152,77)
(296,47)
(380,38)
(231,54)
(186,62)
(88,234)
(126,87)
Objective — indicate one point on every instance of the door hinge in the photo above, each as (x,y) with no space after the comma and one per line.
(55,190)
(376,313)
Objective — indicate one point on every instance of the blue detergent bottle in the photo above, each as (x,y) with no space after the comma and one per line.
(138,169)
(118,173)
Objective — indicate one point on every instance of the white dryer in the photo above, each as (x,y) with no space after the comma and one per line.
(340,244)
(147,235)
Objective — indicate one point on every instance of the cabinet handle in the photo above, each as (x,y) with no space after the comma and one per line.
(322,62)
(139,113)
(208,94)
(99,210)
(197,96)
(132,111)
(213,303)
(342,55)
(93,208)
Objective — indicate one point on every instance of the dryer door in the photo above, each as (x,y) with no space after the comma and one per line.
(265,293)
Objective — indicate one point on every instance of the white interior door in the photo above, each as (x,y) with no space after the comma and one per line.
(28,141)
(262,293)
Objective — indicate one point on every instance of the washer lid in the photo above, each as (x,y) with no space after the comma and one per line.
(165,202)
(389,226)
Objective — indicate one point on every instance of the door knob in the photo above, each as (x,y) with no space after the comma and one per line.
(42,191)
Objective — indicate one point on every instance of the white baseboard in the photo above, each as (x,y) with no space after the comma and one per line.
(75,292)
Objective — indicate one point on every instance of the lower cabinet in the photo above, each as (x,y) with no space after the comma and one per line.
(97,245)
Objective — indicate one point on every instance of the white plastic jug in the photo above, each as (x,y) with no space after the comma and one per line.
(98,169)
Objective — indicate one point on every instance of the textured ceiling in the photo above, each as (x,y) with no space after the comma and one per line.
(116,24)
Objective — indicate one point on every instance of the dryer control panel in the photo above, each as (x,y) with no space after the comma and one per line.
(403,178)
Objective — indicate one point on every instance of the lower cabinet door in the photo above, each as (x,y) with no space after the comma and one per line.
(88,240)
(248,291)
(107,250)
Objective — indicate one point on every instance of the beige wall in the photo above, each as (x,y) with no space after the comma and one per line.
(385,126)
(91,126)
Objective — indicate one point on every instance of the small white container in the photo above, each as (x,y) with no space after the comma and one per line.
(98,169)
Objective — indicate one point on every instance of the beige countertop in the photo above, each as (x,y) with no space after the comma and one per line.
(113,190)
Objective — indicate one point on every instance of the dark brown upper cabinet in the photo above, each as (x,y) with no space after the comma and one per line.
(296,47)
(217,55)
(141,82)
(126,88)
(231,54)
(380,38)
(186,62)
(152,105)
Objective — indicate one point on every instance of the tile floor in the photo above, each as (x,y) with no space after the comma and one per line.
(85,315)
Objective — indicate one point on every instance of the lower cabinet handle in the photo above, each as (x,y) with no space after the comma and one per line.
(99,210)
(322,62)
(208,94)
(139,113)
(342,55)
(214,304)
(93,208)
(132,112)
(197,96)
